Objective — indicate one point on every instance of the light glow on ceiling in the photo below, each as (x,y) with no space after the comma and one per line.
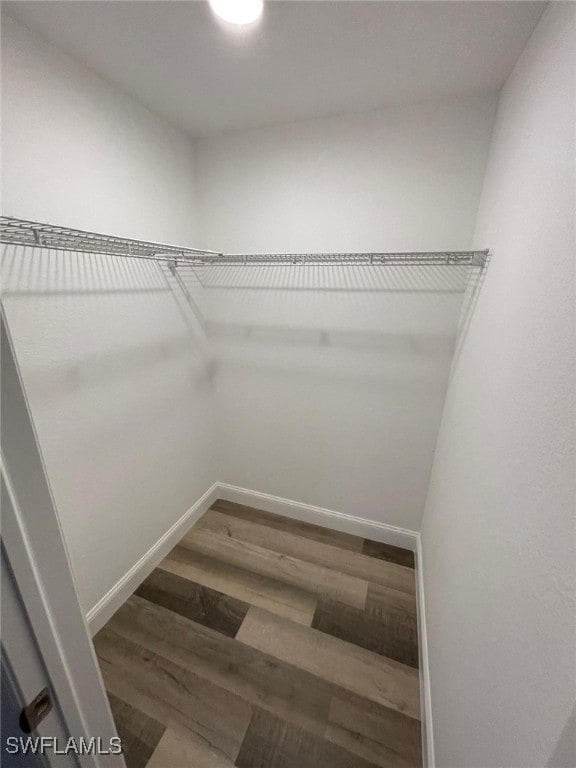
(239,12)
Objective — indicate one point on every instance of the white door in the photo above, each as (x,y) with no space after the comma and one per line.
(45,638)
(24,676)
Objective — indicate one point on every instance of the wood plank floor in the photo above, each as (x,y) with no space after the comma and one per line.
(264,642)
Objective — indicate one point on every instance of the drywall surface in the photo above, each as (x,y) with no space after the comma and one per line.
(79,153)
(498,530)
(404,178)
(329,390)
(114,366)
(330,381)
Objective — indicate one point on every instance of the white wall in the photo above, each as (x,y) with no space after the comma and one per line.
(330,382)
(405,178)
(116,377)
(498,531)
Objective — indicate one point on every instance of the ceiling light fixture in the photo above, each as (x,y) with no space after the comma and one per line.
(238,11)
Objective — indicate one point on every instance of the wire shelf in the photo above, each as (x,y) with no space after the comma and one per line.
(33,234)
(456,258)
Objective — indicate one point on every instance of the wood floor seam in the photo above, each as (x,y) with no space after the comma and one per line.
(368,567)
(288,569)
(265,642)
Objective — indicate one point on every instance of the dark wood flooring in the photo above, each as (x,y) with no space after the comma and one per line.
(264,642)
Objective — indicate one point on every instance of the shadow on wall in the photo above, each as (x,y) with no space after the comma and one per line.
(42,273)
(117,376)
(410,362)
(396,313)
(102,295)
(474,282)
(345,278)
(331,379)
(312,368)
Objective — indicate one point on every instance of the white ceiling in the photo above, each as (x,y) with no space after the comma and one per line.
(305,59)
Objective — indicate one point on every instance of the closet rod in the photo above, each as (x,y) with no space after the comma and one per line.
(30,233)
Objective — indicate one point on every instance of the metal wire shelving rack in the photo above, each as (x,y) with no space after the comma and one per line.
(34,234)
(27,233)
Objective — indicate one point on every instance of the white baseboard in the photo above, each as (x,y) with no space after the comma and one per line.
(357,526)
(121,591)
(425,694)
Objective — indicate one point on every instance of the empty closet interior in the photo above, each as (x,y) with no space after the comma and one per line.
(286,300)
